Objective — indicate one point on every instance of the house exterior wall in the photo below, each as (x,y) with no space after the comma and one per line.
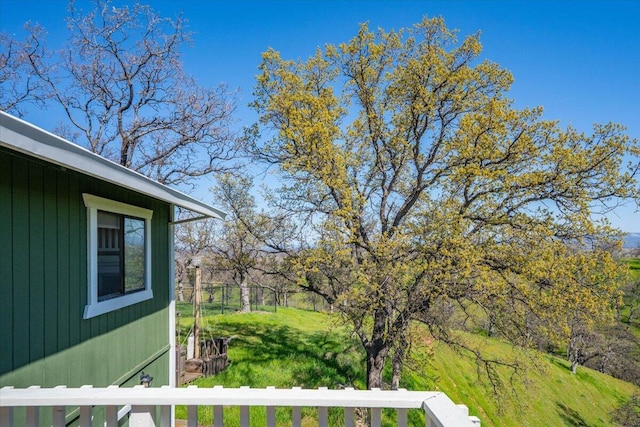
(43,285)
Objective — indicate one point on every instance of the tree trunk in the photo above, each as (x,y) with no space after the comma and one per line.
(574,366)
(375,365)
(377,350)
(395,377)
(245,301)
(573,356)
(196,317)
(180,292)
(397,362)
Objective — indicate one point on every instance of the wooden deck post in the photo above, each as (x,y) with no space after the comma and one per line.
(197,301)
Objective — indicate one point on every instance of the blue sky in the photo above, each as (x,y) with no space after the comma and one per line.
(580,60)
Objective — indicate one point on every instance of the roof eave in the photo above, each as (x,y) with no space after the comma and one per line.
(21,136)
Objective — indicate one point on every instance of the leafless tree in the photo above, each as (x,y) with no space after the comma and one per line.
(255,246)
(193,239)
(121,83)
(627,414)
(238,251)
(19,86)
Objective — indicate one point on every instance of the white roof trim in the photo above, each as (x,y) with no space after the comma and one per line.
(21,136)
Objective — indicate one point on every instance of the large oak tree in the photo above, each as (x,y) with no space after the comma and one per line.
(431,198)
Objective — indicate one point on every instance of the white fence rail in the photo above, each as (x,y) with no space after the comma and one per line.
(439,410)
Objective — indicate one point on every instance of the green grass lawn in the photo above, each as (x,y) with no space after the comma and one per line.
(308,349)
(634,264)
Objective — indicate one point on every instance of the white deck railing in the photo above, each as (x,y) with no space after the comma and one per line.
(143,403)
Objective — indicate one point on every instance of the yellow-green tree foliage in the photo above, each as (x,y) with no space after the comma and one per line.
(431,198)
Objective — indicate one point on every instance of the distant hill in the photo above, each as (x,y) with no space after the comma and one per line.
(632,240)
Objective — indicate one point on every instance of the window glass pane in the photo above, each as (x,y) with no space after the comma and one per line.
(133,254)
(119,255)
(109,256)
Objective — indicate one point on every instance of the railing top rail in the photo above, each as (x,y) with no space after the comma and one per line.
(86,395)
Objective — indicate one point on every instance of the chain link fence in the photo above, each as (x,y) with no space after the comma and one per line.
(220,298)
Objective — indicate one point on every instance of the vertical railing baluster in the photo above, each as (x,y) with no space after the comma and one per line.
(349,419)
(296,416)
(403,420)
(111,413)
(244,412)
(323,412)
(192,412)
(165,416)
(33,416)
(192,416)
(6,416)
(244,416)
(271,412)
(376,417)
(167,412)
(323,416)
(438,408)
(296,413)
(58,416)
(59,413)
(271,416)
(86,412)
(85,416)
(218,410)
(6,413)
(375,413)
(218,416)
(33,413)
(402,417)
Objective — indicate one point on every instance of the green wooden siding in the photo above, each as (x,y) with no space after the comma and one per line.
(43,285)
(6,265)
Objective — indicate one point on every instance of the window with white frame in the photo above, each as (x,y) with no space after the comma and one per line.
(119,255)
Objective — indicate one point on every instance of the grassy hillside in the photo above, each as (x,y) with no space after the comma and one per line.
(310,349)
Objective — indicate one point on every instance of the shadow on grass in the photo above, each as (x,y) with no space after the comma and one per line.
(317,359)
(559,362)
(570,417)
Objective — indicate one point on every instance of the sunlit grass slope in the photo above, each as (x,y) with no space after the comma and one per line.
(308,349)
